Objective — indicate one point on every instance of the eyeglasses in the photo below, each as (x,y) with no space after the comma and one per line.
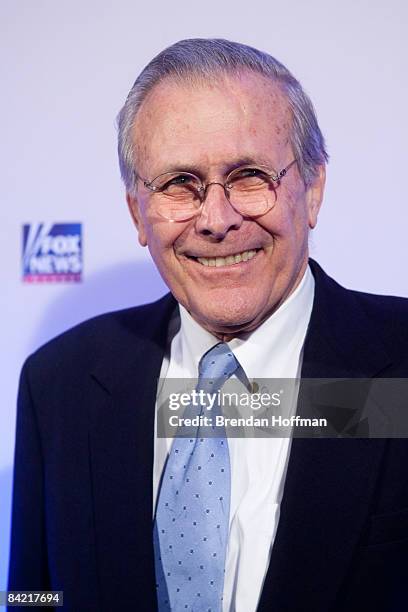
(251,191)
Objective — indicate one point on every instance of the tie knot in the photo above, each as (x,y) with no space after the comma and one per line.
(217,365)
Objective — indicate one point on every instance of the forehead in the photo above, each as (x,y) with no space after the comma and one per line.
(209,124)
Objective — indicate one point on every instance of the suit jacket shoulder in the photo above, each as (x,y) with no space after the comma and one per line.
(104,340)
(357,334)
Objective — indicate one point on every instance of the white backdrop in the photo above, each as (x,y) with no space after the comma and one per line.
(66,67)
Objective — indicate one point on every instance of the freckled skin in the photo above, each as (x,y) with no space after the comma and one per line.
(210,127)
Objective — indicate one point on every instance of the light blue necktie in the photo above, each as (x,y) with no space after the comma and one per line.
(192,516)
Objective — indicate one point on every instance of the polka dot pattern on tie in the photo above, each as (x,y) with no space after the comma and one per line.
(192,517)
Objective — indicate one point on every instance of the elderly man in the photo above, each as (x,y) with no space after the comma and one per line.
(224,167)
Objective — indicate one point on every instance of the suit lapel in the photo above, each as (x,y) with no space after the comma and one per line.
(329,483)
(121,443)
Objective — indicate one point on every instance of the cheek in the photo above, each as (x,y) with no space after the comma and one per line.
(287,225)
(161,238)
(159,244)
(159,233)
(278,223)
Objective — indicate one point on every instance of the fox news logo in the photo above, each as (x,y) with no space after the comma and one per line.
(52,252)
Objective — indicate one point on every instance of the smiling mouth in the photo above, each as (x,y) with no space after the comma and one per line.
(230,260)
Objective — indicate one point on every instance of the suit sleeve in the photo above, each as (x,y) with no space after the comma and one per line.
(28,555)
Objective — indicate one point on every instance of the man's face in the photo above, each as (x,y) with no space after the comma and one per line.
(209,129)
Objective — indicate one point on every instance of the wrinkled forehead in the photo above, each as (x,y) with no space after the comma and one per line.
(211,120)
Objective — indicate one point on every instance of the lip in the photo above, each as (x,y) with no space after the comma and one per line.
(213,255)
(237,267)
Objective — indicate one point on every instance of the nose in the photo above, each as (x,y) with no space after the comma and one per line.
(217,216)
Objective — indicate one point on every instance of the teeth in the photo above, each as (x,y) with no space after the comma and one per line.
(226,261)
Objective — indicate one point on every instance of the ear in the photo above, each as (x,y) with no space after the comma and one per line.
(314,196)
(134,209)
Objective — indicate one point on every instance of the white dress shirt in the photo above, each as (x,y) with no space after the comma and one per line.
(258,465)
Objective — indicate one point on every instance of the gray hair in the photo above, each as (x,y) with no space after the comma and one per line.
(204,59)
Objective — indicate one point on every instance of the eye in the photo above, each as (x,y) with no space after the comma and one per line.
(178,181)
(250,172)
(248,179)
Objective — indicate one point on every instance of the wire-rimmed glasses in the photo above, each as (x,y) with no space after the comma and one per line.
(251,191)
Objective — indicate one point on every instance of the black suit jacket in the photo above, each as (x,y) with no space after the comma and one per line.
(82,506)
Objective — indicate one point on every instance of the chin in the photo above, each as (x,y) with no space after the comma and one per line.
(227,315)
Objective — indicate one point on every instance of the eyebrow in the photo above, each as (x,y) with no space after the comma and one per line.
(228,167)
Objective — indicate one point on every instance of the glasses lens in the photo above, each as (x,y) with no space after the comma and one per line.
(252,191)
(177,196)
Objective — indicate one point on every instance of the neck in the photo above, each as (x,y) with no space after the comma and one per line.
(226,333)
